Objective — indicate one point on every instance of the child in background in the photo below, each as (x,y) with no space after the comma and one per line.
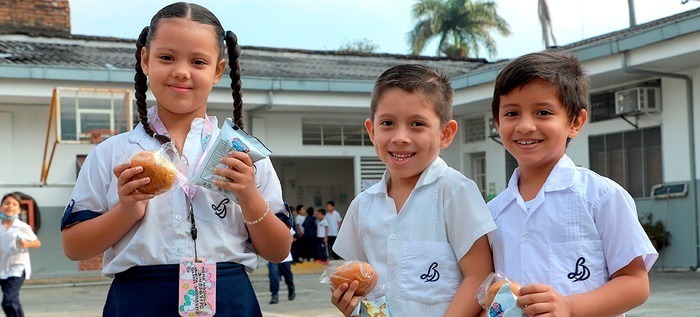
(321,237)
(15,266)
(148,239)
(569,235)
(282,269)
(423,226)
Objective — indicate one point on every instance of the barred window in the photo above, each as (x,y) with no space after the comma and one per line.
(631,158)
(474,129)
(334,132)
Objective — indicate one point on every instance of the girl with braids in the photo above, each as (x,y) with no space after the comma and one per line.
(146,239)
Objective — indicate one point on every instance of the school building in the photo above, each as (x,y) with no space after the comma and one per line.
(60,94)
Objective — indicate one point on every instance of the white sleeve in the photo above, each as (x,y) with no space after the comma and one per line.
(269,186)
(623,237)
(466,217)
(348,244)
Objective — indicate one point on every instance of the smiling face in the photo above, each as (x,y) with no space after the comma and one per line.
(10,206)
(534,125)
(182,64)
(407,134)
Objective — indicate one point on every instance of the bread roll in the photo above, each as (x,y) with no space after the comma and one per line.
(159,169)
(362,272)
(496,286)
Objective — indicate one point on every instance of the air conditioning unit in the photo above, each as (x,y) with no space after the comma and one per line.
(638,100)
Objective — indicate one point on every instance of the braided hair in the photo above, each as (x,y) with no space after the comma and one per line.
(200,14)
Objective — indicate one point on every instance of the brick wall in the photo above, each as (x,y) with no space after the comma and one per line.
(35,17)
(93,264)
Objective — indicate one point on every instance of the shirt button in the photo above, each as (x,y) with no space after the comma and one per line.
(178,217)
(393,236)
(526,237)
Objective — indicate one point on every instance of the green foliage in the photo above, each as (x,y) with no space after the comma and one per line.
(462,27)
(359,46)
(656,231)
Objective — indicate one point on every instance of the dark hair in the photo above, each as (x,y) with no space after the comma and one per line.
(299,207)
(13,195)
(310,211)
(413,78)
(557,67)
(197,13)
(330,202)
(322,211)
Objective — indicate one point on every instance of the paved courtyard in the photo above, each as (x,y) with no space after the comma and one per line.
(672,294)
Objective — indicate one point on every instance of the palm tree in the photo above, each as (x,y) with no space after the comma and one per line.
(463,26)
(546,23)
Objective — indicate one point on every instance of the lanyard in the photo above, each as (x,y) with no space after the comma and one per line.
(189,188)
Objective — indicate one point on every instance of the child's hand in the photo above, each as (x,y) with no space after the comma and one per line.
(129,198)
(241,172)
(543,300)
(344,297)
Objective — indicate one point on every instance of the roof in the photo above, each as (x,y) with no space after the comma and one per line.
(111,53)
(113,58)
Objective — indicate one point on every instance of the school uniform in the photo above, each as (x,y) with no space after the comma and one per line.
(321,234)
(162,237)
(416,252)
(15,265)
(579,230)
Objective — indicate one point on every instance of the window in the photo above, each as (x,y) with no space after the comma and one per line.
(334,132)
(603,106)
(631,158)
(474,129)
(479,171)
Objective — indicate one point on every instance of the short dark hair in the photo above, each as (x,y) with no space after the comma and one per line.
(13,195)
(330,202)
(557,67)
(414,78)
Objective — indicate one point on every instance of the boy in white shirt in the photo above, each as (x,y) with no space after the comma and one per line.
(423,226)
(571,236)
(321,237)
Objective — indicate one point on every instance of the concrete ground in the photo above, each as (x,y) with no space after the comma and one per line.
(672,294)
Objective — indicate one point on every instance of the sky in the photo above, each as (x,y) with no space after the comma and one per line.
(329,24)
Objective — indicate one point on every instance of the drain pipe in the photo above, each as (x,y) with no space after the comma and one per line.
(691,140)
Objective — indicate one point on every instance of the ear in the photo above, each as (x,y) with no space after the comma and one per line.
(448,133)
(144,60)
(577,124)
(220,67)
(370,129)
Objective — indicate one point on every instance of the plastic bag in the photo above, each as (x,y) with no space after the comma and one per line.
(497,295)
(160,166)
(232,138)
(374,302)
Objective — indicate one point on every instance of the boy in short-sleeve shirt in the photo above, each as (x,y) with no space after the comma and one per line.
(569,235)
(423,226)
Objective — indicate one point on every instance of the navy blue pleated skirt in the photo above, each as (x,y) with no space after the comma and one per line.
(153,291)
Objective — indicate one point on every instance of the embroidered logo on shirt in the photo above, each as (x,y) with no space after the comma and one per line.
(220,209)
(581,272)
(433,275)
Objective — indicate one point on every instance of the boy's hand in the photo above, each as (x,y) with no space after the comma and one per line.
(241,173)
(543,300)
(129,197)
(344,297)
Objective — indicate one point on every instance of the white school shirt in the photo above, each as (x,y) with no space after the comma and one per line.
(416,252)
(162,235)
(321,226)
(580,229)
(14,261)
(299,220)
(333,219)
